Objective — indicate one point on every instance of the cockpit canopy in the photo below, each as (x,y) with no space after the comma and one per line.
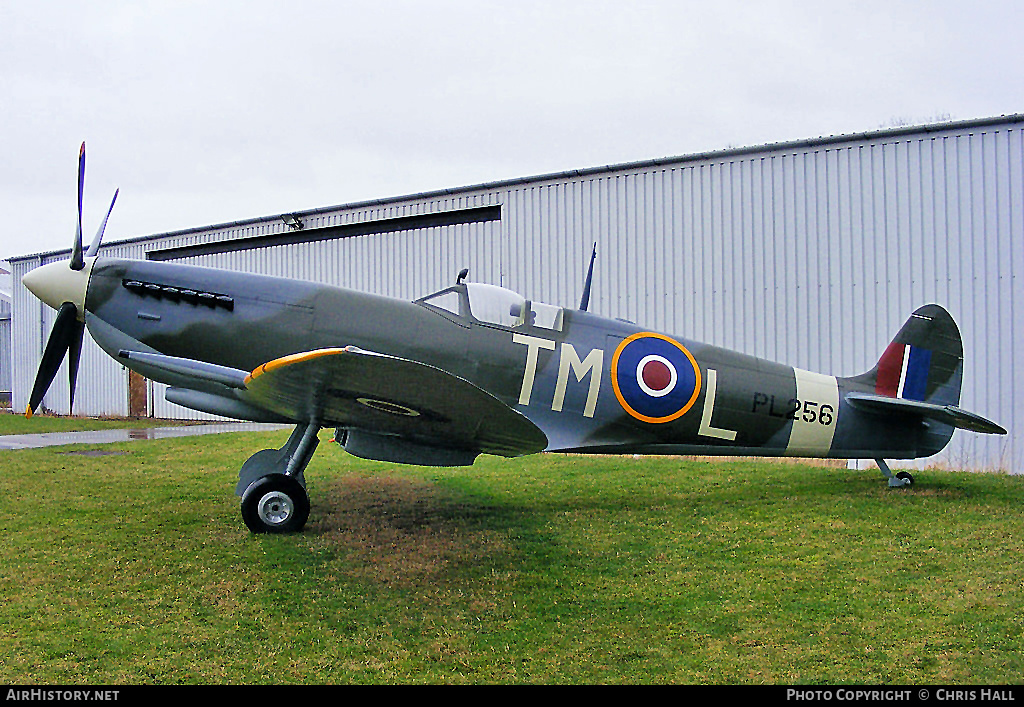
(491,304)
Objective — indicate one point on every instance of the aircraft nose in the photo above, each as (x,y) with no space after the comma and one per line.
(56,283)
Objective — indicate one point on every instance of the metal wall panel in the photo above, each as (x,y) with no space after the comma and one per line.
(5,345)
(810,253)
(813,256)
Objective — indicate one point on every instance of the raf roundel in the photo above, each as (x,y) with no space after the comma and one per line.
(656,379)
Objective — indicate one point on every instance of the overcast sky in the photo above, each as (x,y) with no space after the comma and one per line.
(209,112)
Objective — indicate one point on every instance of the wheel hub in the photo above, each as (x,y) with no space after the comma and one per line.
(275,508)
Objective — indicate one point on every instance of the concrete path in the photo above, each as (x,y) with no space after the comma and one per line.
(50,439)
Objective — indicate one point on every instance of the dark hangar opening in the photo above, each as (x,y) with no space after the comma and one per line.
(480,214)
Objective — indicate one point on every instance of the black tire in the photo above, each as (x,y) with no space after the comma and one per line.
(275,504)
(906,476)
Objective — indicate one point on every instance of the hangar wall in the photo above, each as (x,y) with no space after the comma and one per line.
(811,253)
(5,351)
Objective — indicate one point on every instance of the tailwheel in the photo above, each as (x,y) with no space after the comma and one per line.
(899,480)
(908,480)
(275,503)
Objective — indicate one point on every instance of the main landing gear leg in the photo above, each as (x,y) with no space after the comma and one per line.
(903,478)
(272,486)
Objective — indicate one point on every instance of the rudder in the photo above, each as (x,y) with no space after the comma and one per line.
(924,362)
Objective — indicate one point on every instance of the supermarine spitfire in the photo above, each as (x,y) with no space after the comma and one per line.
(476,369)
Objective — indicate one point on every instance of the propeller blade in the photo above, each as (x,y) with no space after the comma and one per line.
(95,245)
(66,329)
(74,356)
(77,262)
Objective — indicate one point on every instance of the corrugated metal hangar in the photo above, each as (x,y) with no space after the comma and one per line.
(811,253)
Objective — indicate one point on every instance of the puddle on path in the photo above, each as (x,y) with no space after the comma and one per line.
(51,439)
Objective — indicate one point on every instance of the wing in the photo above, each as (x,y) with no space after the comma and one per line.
(349,387)
(353,388)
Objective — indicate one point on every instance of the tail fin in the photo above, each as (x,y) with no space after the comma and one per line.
(924,362)
(920,373)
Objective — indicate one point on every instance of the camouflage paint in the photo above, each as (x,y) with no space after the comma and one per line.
(570,382)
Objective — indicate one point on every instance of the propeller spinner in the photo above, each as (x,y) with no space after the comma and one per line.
(62,286)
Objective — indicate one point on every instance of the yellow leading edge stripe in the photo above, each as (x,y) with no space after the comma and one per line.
(292,359)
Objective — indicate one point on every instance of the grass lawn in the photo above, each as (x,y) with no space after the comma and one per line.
(18,424)
(129,564)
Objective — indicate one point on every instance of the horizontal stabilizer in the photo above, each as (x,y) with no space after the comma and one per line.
(948,414)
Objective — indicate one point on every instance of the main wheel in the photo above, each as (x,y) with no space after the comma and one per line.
(275,504)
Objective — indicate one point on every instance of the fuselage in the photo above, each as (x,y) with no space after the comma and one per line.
(590,383)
